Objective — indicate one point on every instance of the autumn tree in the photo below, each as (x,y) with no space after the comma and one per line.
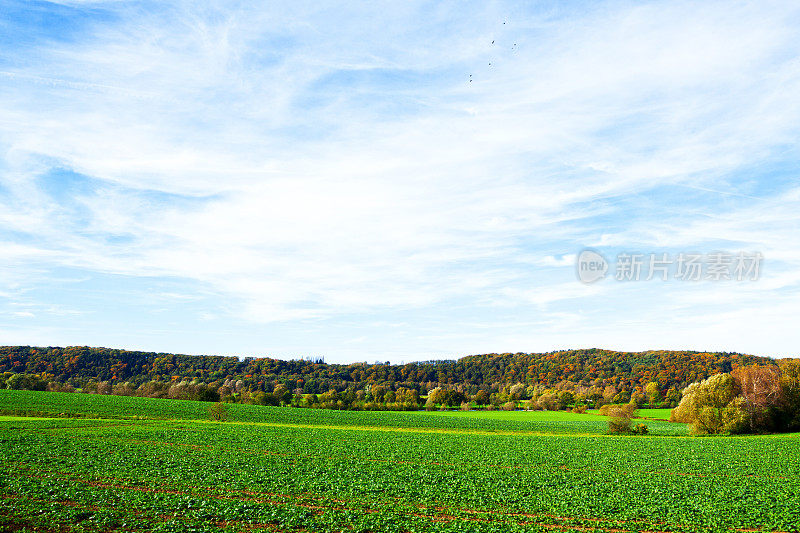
(549,402)
(481,397)
(761,390)
(435,396)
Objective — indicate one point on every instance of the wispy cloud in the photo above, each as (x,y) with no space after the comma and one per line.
(314,168)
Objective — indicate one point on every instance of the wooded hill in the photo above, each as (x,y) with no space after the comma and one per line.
(625,371)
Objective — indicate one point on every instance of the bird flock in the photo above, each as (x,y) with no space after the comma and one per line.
(513,48)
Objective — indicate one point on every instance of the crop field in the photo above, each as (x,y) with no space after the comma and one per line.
(137,464)
(655,413)
(14,402)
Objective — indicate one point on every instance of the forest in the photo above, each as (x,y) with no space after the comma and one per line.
(554,379)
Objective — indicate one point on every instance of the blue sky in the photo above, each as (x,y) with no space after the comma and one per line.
(395,181)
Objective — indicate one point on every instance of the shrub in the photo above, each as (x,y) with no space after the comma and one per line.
(640,429)
(580,409)
(609,408)
(619,424)
(736,417)
(620,416)
(218,412)
(510,406)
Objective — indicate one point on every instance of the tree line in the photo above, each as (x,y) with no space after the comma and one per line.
(553,380)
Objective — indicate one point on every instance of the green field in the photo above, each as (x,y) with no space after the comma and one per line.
(159,465)
(655,413)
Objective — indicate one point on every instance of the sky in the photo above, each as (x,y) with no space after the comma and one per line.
(397,181)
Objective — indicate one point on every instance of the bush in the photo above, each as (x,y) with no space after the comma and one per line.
(619,425)
(608,408)
(640,429)
(580,409)
(510,406)
(218,412)
(620,416)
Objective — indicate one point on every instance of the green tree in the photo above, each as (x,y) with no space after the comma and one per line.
(673,397)
(653,393)
(26,382)
(482,397)
(638,398)
(712,406)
